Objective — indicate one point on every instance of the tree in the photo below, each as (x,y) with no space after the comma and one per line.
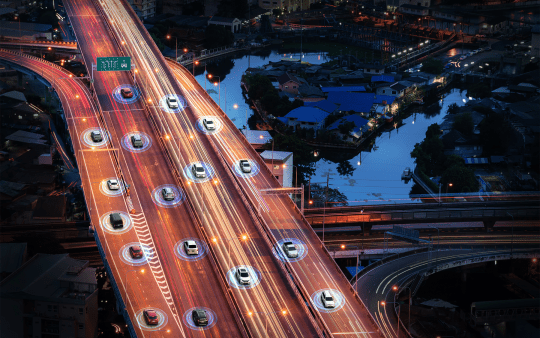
(345,168)
(335,198)
(428,154)
(453,108)
(479,91)
(258,85)
(217,36)
(461,177)
(346,127)
(233,8)
(495,134)
(433,130)
(464,124)
(433,66)
(49,18)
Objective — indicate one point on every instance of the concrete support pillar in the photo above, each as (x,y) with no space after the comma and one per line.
(488,225)
(19,79)
(366,228)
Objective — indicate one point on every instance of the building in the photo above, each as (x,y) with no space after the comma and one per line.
(257,138)
(281,165)
(50,208)
(397,89)
(144,8)
(49,296)
(414,10)
(360,127)
(287,5)
(535,41)
(174,6)
(289,83)
(13,256)
(26,30)
(307,118)
(359,102)
(234,24)
(374,69)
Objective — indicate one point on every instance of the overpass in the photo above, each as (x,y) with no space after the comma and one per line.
(365,217)
(375,283)
(40,45)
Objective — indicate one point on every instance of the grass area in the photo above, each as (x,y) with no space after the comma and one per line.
(334,49)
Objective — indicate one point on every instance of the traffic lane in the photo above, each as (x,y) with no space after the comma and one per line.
(125,121)
(170,226)
(285,219)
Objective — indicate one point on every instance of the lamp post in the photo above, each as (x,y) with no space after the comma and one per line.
(396,288)
(512,241)
(266,314)
(296,169)
(438,241)
(175,46)
(235,106)
(217,84)
(343,246)
(383,303)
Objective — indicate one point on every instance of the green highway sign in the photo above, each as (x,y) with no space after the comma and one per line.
(106,64)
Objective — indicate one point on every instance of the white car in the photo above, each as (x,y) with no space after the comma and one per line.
(172,102)
(113,185)
(463,57)
(290,249)
(198,170)
(168,194)
(191,247)
(245,166)
(242,276)
(136,141)
(209,124)
(96,136)
(327,299)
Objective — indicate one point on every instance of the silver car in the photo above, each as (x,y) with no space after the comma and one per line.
(209,124)
(198,170)
(242,276)
(191,247)
(168,194)
(172,102)
(245,166)
(136,141)
(290,249)
(113,184)
(96,136)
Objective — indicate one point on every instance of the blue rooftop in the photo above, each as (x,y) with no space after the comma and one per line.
(358,102)
(307,114)
(343,89)
(325,105)
(382,78)
(358,121)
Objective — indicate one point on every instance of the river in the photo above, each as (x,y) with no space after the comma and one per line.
(378,178)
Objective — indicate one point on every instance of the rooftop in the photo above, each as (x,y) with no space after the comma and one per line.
(359,123)
(13,255)
(25,26)
(16,95)
(382,78)
(325,105)
(307,114)
(286,78)
(257,136)
(50,207)
(276,155)
(222,19)
(358,102)
(343,89)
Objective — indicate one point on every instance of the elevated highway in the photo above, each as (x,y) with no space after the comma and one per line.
(365,217)
(134,285)
(40,45)
(375,284)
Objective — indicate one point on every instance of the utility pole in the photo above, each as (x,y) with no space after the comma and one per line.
(324,209)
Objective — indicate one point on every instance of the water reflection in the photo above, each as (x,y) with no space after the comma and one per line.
(378,178)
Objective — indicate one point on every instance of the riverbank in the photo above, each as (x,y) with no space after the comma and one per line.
(332,49)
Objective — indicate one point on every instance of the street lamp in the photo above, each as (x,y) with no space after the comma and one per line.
(217,84)
(397,289)
(235,106)
(296,179)
(343,246)
(175,46)
(266,314)
(383,303)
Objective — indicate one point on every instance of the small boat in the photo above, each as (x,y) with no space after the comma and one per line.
(388,118)
(407,174)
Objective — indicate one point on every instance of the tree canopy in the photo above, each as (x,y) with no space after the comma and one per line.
(464,124)
(433,66)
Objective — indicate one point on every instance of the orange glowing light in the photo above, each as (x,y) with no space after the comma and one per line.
(142,270)
(284,166)
(209,76)
(250,313)
(77,96)
(185,50)
(383,303)
(261,137)
(70,75)
(215,83)
(196,62)
(215,181)
(284,312)
(343,246)
(244,237)
(49,48)
(235,106)
(167,137)
(84,120)
(395,288)
(123,42)
(149,100)
(214,240)
(136,70)
(310,202)
(534,260)
(191,137)
(168,36)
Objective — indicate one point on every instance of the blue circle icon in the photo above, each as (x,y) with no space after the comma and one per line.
(119,97)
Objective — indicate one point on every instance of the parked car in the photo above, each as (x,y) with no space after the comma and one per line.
(150,317)
(191,247)
(327,299)
(245,166)
(199,317)
(172,102)
(290,249)
(168,194)
(113,184)
(126,93)
(135,251)
(116,220)
(136,141)
(198,170)
(209,124)
(96,136)
(242,276)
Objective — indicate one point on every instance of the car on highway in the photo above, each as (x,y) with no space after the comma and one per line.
(245,166)
(199,317)
(290,249)
(116,220)
(191,247)
(135,251)
(172,102)
(150,317)
(96,136)
(327,299)
(209,124)
(113,184)
(487,49)
(242,276)
(463,57)
(137,141)
(168,194)
(126,93)
(198,170)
